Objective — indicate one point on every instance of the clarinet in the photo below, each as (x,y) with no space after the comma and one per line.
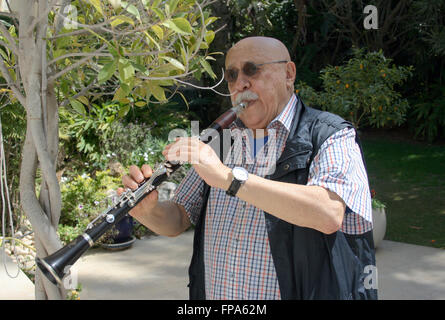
(56,266)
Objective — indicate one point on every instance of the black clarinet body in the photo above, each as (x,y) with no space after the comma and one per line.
(56,266)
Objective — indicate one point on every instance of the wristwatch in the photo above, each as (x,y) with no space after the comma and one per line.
(240,176)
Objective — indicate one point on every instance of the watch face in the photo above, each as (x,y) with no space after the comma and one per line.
(240,174)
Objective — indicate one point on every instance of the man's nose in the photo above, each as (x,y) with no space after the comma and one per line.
(242,82)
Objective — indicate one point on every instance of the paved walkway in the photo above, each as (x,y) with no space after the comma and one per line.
(14,284)
(156,269)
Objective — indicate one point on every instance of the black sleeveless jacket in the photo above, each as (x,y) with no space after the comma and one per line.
(309,264)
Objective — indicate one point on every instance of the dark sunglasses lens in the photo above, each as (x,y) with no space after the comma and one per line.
(250,69)
(231,75)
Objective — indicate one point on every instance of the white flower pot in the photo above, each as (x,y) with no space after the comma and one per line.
(379,221)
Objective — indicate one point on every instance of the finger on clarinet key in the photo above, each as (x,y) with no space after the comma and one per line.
(129,182)
(147,171)
(136,173)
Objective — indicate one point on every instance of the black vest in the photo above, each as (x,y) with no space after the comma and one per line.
(309,264)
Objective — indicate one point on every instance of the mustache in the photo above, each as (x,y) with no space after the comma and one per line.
(246,96)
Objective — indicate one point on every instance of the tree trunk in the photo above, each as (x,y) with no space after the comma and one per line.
(300,5)
(40,147)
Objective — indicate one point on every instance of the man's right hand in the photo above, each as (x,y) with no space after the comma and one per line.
(132,181)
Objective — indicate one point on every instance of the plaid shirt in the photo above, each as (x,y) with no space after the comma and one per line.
(237,257)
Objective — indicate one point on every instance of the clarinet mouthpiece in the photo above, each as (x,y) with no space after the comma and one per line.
(239,108)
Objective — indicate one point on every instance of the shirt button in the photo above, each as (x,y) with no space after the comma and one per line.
(286,166)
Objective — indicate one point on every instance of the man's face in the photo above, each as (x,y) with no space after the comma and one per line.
(270,84)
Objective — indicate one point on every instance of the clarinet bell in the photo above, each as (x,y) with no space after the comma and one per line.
(56,266)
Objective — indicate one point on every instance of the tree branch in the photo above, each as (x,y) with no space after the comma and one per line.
(80,54)
(95,27)
(81,93)
(105,54)
(168,78)
(28,199)
(42,17)
(52,78)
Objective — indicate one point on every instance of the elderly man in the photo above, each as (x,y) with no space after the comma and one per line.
(302,230)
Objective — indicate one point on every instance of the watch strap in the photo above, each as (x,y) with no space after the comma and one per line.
(233,188)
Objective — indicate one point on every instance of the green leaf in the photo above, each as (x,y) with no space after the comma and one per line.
(185,100)
(209,36)
(152,40)
(107,71)
(126,89)
(183,55)
(158,31)
(123,111)
(134,11)
(77,106)
(155,4)
(166,82)
(167,9)
(121,19)
(174,62)
(140,103)
(159,13)
(126,70)
(113,51)
(83,99)
(99,36)
(207,68)
(173,4)
(179,25)
(157,91)
(119,95)
(96,4)
(140,68)
(210,20)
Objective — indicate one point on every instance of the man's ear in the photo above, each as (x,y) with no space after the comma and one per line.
(291,73)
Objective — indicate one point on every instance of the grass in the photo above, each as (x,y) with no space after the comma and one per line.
(409,178)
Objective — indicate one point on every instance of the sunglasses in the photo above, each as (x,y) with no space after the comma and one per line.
(249,69)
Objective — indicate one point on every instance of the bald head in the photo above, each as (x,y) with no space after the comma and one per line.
(263,47)
(267,86)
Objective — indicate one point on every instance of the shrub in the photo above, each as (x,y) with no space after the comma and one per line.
(428,114)
(83,133)
(104,133)
(133,144)
(83,199)
(362,91)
